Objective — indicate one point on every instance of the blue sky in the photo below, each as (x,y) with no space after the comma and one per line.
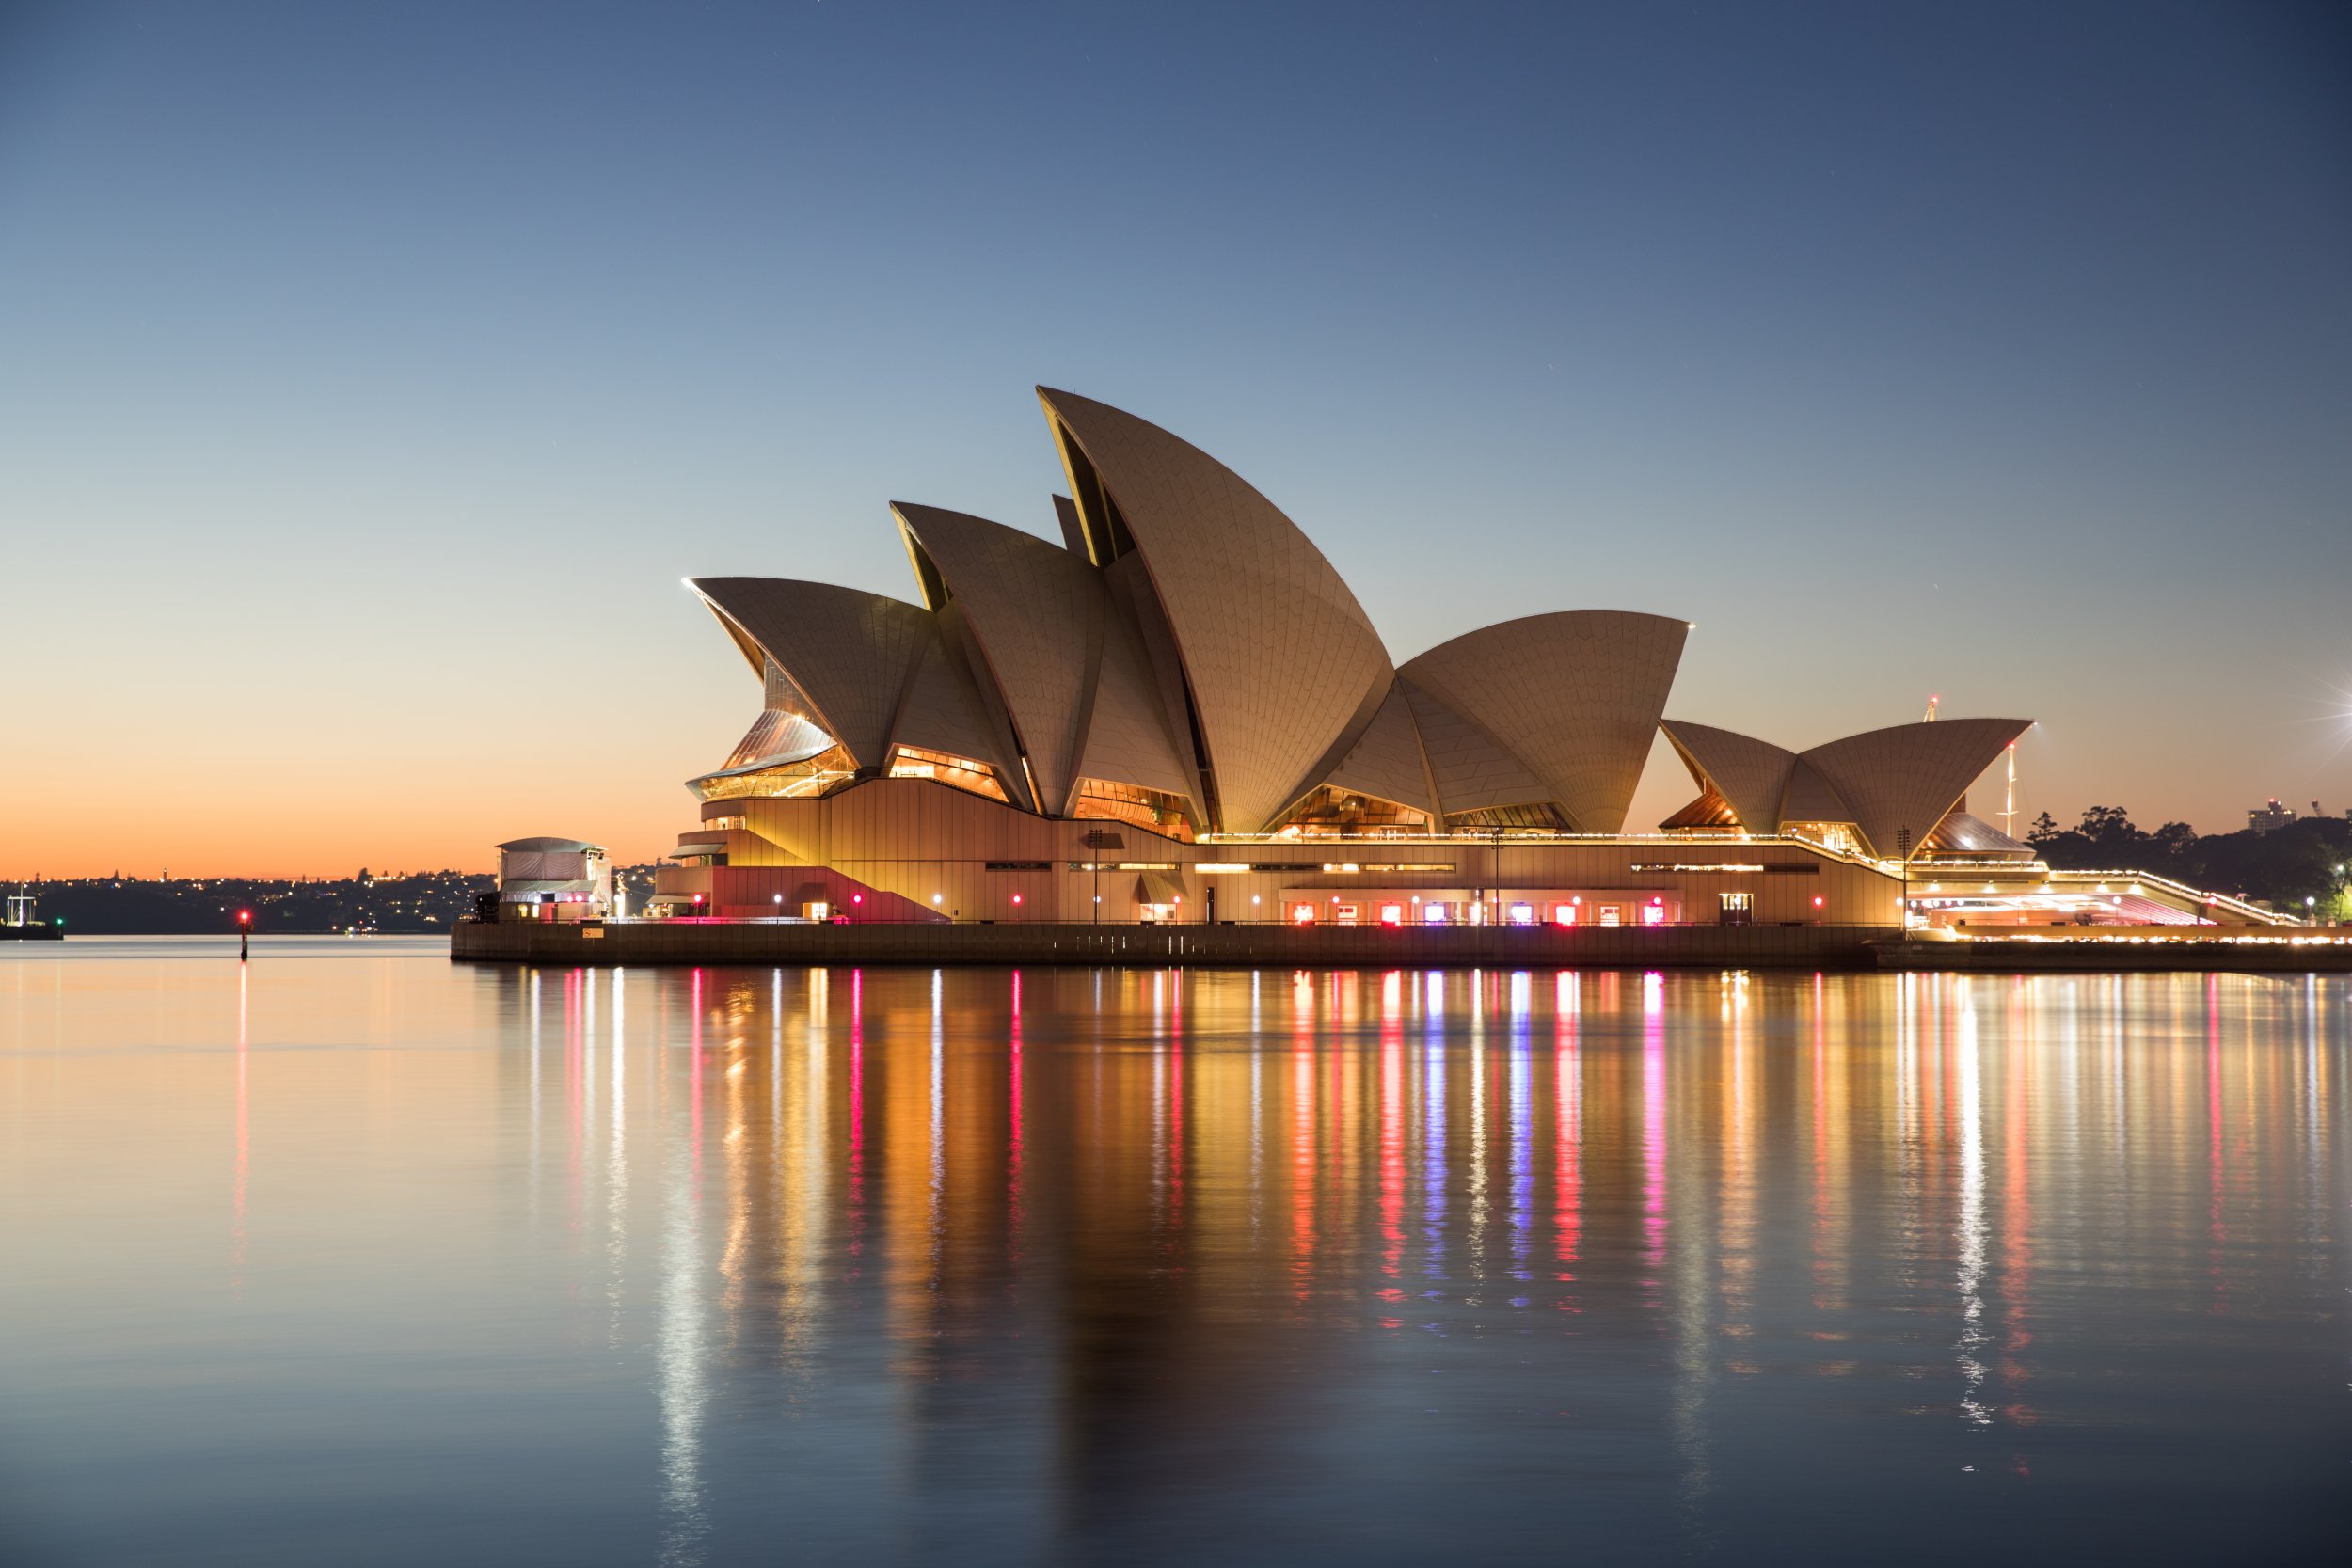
(370,375)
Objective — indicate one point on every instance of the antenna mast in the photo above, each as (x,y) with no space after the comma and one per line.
(2009,803)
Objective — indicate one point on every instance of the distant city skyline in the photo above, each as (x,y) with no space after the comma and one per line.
(376,374)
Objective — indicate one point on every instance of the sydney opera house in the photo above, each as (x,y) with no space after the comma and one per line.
(1179,712)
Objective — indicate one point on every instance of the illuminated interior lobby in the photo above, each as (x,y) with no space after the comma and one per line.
(1179,712)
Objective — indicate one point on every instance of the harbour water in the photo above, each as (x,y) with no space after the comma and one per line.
(353,1254)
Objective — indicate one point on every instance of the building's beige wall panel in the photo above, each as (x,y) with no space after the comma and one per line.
(917,838)
(1577,696)
(1279,656)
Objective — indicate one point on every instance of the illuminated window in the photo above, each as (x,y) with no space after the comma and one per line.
(1838,837)
(1433,914)
(1522,914)
(1653,914)
(1611,915)
(1563,914)
(1162,813)
(827,770)
(976,778)
(1302,914)
(1328,811)
(1346,915)
(1540,817)
(1392,914)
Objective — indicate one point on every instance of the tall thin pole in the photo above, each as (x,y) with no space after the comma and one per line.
(1902,846)
(2008,810)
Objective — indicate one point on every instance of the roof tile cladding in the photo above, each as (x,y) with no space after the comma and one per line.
(1810,799)
(1280,656)
(1908,775)
(1388,761)
(1751,774)
(1036,612)
(850,652)
(1217,606)
(1127,737)
(1576,695)
(942,712)
(1473,769)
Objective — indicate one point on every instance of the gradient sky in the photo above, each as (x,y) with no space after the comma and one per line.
(370,375)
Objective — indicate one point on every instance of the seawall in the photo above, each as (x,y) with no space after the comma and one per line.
(688,941)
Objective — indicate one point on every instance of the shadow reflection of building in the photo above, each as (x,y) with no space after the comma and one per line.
(1095,1244)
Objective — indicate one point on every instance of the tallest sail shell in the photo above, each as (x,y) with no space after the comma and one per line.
(1280,665)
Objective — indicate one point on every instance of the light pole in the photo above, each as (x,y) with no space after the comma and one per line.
(1098,840)
(1902,847)
(1494,874)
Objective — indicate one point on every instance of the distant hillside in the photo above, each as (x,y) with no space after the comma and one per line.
(410,902)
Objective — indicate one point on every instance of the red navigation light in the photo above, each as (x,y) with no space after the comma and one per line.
(857,898)
(1817,900)
(1016,898)
(245,917)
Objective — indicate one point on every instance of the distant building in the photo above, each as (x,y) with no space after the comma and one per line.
(553,879)
(2269,814)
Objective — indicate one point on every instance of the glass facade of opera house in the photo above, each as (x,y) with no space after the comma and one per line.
(1179,712)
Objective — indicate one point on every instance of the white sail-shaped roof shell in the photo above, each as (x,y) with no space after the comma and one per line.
(872,669)
(1278,659)
(1907,776)
(1751,775)
(1574,695)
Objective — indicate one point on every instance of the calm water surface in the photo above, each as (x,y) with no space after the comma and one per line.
(353,1256)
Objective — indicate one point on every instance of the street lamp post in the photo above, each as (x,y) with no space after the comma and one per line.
(1494,874)
(1098,840)
(1902,847)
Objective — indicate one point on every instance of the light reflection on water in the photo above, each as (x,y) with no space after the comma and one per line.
(352,1254)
